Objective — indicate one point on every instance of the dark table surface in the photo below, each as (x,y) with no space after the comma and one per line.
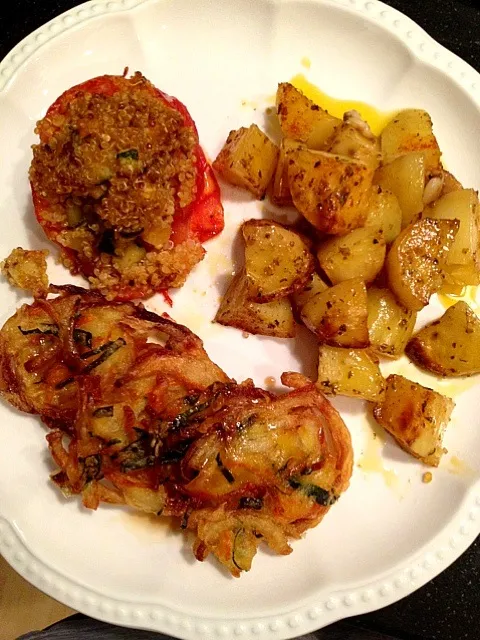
(447,608)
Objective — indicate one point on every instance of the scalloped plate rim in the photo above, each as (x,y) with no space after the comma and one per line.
(381,591)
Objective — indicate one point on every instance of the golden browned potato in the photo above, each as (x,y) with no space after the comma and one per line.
(390,325)
(314,285)
(27,269)
(411,130)
(338,316)
(330,191)
(248,159)
(270,319)
(279,190)
(450,346)
(301,119)
(450,183)
(457,276)
(416,417)
(384,213)
(415,261)
(350,372)
(405,178)
(353,139)
(277,260)
(358,254)
(462,205)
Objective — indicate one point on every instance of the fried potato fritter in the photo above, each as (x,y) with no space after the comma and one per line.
(139,415)
(27,269)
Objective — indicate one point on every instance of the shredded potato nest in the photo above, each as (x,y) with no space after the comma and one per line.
(139,415)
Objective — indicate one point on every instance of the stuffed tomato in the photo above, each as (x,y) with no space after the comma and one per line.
(122,186)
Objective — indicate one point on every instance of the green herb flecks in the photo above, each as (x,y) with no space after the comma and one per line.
(44,328)
(250,503)
(322,497)
(103,412)
(137,455)
(227,474)
(92,468)
(108,349)
(83,338)
(129,154)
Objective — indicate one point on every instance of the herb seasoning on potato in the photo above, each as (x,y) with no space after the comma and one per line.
(386,227)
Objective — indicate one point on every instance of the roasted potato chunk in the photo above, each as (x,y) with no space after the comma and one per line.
(279,189)
(359,254)
(338,316)
(384,214)
(301,119)
(330,191)
(270,319)
(390,325)
(461,205)
(27,270)
(350,372)
(405,178)
(450,346)
(457,276)
(277,260)
(416,417)
(411,130)
(450,183)
(415,261)
(314,285)
(248,159)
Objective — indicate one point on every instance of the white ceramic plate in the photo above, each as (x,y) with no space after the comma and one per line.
(390,533)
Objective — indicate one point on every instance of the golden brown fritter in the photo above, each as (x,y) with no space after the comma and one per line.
(27,269)
(139,415)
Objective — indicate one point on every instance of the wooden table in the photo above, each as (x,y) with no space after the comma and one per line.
(22,607)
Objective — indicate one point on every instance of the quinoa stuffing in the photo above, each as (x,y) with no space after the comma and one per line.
(117,165)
